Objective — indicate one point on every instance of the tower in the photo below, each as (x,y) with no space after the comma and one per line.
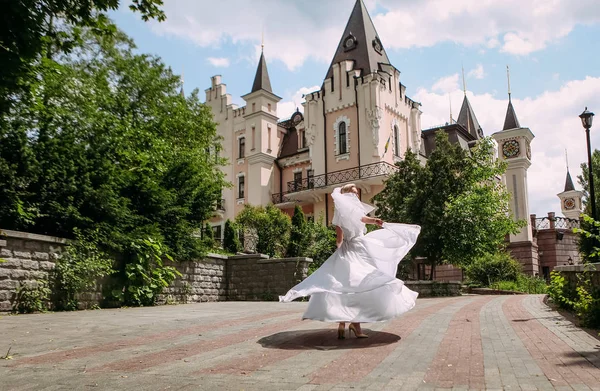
(570,200)
(514,143)
(261,136)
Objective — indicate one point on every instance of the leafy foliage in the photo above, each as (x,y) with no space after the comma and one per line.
(147,275)
(589,244)
(271,226)
(231,241)
(103,140)
(30,27)
(78,270)
(33,297)
(523,283)
(589,239)
(492,268)
(583,297)
(299,236)
(321,243)
(456,198)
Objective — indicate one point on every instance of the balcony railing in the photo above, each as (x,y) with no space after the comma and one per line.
(334,178)
(341,176)
(556,222)
(280,198)
(220,205)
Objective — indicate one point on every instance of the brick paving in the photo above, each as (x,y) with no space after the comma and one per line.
(462,343)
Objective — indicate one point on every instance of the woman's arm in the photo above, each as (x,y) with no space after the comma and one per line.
(372,220)
(340,236)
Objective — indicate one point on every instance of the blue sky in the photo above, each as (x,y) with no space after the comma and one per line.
(551,48)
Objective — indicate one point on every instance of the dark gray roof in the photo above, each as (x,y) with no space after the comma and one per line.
(467,119)
(261,80)
(511,121)
(365,56)
(569,183)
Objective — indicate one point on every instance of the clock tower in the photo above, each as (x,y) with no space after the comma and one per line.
(514,147)
(570,200)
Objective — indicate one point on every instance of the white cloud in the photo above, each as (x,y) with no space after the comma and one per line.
(446,84)
(478,72)
(518,26)
(219,62)
(288,106)
(552,116)
(295,31)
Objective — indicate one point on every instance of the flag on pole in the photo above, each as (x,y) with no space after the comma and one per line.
(387,145)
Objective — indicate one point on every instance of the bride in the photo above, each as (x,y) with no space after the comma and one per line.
(358,283)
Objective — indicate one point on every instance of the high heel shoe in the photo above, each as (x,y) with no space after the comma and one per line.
(341,333)
(356,334)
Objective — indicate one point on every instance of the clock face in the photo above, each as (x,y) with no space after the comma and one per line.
(349,43)
(569,203)
(510,149)
(528,149)
(377,45)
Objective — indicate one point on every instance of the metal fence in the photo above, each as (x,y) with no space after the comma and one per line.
(554,223)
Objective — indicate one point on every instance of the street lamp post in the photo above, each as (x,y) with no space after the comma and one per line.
(586,120)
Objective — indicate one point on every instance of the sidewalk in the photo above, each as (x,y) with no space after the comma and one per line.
(468,342)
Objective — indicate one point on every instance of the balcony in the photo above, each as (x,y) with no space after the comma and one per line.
(219,208)
(307,186)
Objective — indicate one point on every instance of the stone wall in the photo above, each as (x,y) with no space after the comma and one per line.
(573,272)
(31,258)
(434,288)
(256,277)
(28,258)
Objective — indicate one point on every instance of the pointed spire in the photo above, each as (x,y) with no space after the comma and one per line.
(467,119)
(569,182)
(261,80)
(464,81)
(360,43)
(510,121)
(182,82)
(450,102)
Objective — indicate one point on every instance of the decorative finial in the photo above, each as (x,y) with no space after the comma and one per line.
(464,81)
(508,78)
(450,102)
(567,159)
(262,40)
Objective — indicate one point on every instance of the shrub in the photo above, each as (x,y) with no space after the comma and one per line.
(270,225)
(523,283)
(30,298)
(78,270)
(231,241)
(299,237)
(146,274)
(492,268)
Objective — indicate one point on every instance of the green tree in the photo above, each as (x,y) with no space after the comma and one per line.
(589,243)
(28,27)
(321,243)
(103,140)
(299,236)
(457,200)
(270,225)
(231,241)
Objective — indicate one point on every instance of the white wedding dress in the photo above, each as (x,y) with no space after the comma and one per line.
(358,282)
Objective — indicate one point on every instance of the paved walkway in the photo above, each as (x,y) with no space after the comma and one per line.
(469,342)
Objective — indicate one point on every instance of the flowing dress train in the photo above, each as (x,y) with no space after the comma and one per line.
(358,281)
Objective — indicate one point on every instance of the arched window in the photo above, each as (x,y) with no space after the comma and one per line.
(396,141)
(342,139)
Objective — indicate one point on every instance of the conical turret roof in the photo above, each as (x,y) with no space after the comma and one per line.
(360,43)
(261,80)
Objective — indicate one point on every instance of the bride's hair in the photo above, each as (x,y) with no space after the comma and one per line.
(347,188)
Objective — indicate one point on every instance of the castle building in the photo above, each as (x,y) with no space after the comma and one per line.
(353,130)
